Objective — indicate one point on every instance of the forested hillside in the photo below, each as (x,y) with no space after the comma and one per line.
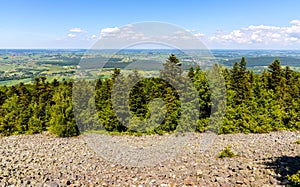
(256,103)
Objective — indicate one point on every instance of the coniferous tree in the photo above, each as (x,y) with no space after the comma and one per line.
(62,121)
(241,81)
(191,73)
(255,102)
(276,74)
(9,113)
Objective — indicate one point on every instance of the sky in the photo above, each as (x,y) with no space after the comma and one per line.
(219,24)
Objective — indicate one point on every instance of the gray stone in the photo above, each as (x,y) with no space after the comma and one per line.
(251,179)
(47,160)
(54,184)
(239,182)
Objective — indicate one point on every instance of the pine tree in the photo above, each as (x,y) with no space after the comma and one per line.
(2,97)
(62,121)
(34,122)
(241,82)
(191,73)
(172,69)
(276,76)
(25,111)
(10,112)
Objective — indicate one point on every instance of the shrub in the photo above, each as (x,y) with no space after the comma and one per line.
(226,153)
(295,179)
(297,142)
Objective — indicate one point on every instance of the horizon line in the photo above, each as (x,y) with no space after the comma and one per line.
(244,49)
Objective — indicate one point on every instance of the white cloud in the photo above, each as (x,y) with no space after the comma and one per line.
(253,36)
(199,35)
(261,27)
(71,35)
(78,34)
(124,33)
(76,29)
(295,22)
(261,34)
(109,31)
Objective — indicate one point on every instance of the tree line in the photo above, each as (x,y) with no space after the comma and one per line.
(255,103)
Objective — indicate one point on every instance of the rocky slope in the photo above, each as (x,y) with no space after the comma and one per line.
(44,160)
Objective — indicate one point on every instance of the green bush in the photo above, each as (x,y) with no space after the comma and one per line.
(297,142)
(295,179)
(226,153)
(65,130)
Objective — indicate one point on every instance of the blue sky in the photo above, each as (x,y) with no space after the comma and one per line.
(219,24)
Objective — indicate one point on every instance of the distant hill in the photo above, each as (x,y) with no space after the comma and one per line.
(264,61)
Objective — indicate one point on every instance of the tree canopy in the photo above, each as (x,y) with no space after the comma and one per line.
(256,103)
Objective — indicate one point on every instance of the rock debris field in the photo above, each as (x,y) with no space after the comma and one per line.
(45,160)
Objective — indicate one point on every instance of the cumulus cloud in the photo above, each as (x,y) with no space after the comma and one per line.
(295,22)
(78,34)
(109,31)
(199,35)
(124,33)
(261,34)
(147,34)
(71,35)
(78,37)
(76,29)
